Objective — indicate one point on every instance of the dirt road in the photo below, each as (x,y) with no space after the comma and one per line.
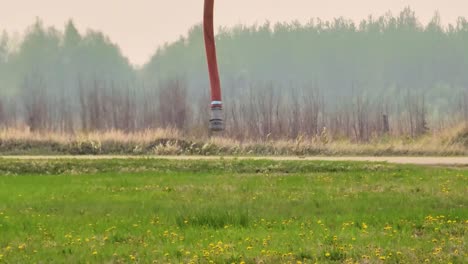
(458,161)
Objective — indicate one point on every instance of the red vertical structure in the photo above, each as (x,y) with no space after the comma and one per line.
(216,119)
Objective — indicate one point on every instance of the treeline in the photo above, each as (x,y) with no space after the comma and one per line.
(385,75)
(264,113)
(382,56)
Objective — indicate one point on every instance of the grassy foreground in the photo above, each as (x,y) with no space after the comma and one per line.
(162,211)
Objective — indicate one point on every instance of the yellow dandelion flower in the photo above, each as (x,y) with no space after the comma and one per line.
(327,254)
(94,252)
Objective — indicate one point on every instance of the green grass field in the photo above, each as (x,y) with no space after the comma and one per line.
(162,211)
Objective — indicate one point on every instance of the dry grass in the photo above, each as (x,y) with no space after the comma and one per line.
(145,136)
(451,142)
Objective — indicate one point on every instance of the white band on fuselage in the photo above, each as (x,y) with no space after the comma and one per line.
(216,103)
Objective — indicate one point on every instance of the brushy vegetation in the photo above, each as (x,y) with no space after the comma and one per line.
(162,211)
(452,142)
(383,75)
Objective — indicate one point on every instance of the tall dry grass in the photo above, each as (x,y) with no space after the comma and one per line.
(145,136)
(171,141)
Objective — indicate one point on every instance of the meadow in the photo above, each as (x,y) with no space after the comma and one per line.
(230,211)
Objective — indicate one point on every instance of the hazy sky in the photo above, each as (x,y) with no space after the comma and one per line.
(139,26)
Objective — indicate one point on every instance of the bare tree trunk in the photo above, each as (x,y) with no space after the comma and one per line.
(35,106)
(173,107)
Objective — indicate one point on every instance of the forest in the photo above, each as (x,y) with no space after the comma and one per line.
(384,75)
